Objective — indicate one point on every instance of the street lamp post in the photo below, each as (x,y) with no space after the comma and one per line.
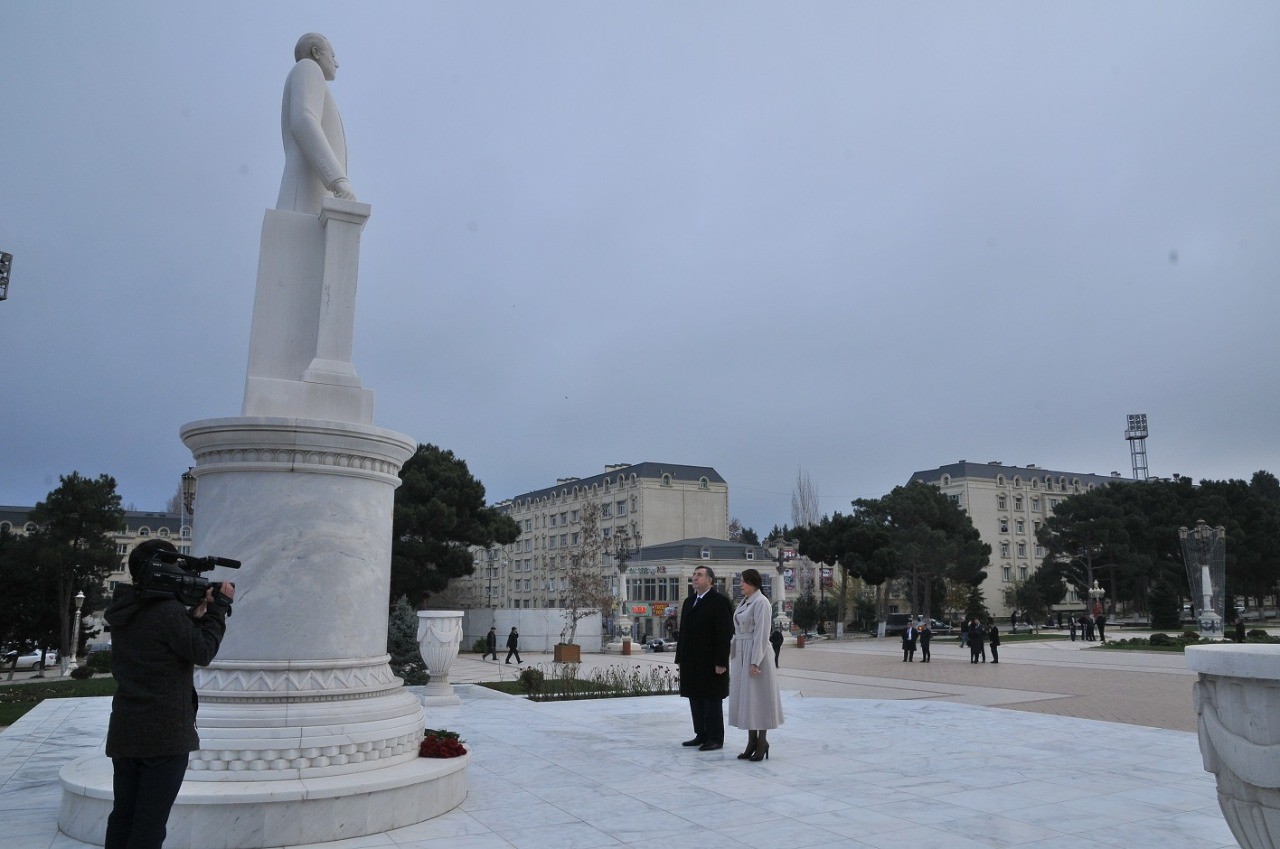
(71,664)
(1096,593)
(622,553)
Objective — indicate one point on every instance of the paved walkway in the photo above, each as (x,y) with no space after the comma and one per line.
(906,756)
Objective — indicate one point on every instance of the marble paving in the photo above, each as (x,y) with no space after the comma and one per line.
(842,772)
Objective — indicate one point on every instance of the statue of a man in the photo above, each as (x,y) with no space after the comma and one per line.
(315,147)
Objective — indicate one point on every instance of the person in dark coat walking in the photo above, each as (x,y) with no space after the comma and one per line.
(1101,620)
(1071,627)
(926,635)
(775,640)
(513,646)
(706,629)
(491,643)
(157,643)
(909,644)
(993,640)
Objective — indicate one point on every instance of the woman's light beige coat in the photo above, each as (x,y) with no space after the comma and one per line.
(754,703)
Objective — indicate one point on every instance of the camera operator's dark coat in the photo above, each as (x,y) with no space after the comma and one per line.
(155,647)
(706,630)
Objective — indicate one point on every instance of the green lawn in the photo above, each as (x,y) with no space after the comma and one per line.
(19,697)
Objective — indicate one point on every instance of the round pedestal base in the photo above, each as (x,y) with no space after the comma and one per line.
(253,814)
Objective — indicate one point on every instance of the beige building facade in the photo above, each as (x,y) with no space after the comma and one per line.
(1007,505)
(639,505)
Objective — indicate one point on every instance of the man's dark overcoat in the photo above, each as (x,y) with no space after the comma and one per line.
(706,630)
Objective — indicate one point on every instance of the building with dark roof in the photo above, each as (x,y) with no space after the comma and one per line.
(1007,504)
(640,505)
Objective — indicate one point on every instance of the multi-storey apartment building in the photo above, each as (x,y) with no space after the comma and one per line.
(138,525)
(1007,505)
(639,505)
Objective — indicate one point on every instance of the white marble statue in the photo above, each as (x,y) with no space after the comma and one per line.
(315,146)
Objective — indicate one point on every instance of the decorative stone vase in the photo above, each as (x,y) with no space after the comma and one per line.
(439,638)
(1237,701)
(570,653)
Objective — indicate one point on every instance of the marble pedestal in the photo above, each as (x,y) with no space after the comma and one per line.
(305,733)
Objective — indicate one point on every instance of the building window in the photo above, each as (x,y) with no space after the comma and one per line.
(1035,483)
(622,507)
(606,511)
(564,540)
(1008,573)
(1022,549)
(528,524)
(553,520)
(751,555)
(1017,481)
(1021,526)
(955,499)
(577,538)
(634,501)
(706,553)
(666,480)
(703,483)
(1040,551)
(1002,502)
(1035,505)
(606,533)
(144,531)
(1017,502)
(576,516)
(1022,573)
(1004,549)
(999,480)
(1004,526)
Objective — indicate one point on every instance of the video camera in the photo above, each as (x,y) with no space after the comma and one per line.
(168,574)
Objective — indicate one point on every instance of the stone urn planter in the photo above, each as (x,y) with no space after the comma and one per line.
(439,637)
(1237,701)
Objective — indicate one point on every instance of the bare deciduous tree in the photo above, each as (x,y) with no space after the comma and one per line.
(804,501)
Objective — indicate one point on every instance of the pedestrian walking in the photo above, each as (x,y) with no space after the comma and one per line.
(909,644)
(926,635)
(993,640)
(491,643)
(1071,628)
(513,646)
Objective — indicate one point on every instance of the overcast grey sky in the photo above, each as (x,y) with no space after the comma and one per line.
(859,238)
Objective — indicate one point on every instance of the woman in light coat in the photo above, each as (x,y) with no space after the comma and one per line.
(754,703)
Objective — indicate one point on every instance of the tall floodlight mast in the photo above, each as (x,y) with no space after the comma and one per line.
(1136,433)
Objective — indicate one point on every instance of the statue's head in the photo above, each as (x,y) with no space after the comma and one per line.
(316,47)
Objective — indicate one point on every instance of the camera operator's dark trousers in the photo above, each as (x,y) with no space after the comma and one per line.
(144,792)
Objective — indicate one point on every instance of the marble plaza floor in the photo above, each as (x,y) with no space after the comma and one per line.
(842,772)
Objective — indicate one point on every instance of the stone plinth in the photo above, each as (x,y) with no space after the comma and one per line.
(1238,704)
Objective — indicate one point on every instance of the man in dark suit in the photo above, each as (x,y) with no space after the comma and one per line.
(702,653)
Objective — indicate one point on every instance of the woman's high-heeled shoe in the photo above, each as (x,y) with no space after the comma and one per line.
(762,748)
(751,746)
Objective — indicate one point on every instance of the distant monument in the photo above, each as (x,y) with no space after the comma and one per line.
(306,735)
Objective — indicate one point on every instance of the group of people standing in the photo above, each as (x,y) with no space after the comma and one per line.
(978,638)
(724,653)
(1091,627)
(922,634)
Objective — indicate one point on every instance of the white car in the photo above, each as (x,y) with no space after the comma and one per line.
(31,659)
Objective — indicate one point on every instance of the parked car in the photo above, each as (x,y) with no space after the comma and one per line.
(660,644)
(940,627)
(30,659)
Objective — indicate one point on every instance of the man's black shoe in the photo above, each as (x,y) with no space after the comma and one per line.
(710,747)
(694,742)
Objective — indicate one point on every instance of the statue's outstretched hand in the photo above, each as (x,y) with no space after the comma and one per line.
(342,189)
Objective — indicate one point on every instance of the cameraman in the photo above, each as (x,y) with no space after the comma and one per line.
(156,645)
